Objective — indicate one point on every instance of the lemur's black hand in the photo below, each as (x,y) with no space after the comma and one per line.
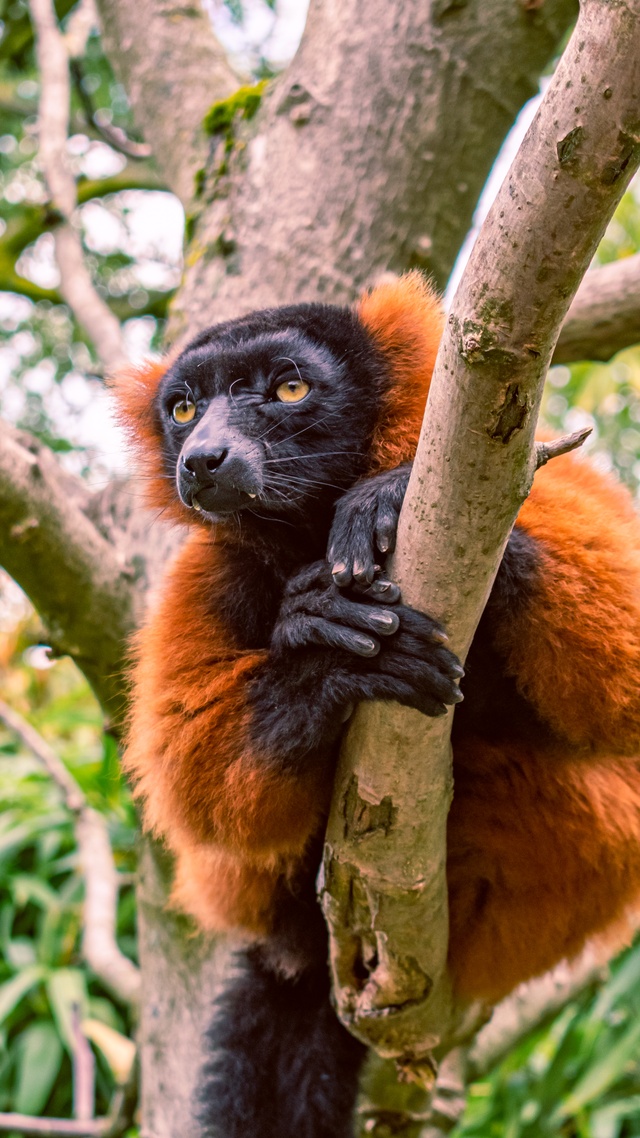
(365,524)
(382,649)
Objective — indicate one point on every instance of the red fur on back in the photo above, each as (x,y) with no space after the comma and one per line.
(544,851)
(576,647)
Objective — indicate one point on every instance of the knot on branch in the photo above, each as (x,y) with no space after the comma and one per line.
(617,166)
(362,817)
(568,147)
(478,343)
(511,416)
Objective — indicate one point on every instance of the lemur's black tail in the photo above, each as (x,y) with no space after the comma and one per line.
(282,1065)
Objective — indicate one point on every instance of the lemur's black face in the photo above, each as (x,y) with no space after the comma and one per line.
(273,412)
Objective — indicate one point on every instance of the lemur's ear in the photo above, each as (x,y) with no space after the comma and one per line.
(134,389)
(405,319)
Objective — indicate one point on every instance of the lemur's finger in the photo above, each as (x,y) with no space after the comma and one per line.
(301,630)
(378,686)
(314,576)
(364,570)
(422,626)
(425,675)
(332,635)
(338,609)
(341,573)
(386,528)
(381,590)
(382,621)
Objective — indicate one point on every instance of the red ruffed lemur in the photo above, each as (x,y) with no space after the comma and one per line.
(284,439)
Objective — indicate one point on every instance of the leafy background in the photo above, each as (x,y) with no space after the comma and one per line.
(580,1075)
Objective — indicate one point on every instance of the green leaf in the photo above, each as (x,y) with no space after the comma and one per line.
(67,991)
(14,990)
(39,1059)
(623,983)
(606,1121)
(599,1077)
(28,888)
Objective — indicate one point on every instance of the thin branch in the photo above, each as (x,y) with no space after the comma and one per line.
(84,1071)
(99,945)
(386,898)
(605,315)
(55,1127)
(76,284)
(82,21)
(114,135)
(74,798)
(555,447)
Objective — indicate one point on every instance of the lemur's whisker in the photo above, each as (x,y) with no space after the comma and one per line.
(320,454)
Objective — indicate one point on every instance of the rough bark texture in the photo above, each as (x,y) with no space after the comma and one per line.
(368,154)
(605,315)
(475,461)
(172,68)
(181,974)
(72,573)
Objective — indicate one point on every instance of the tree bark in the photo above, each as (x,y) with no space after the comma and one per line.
(181,974)
(172,68)
(78,582)
(605,315)
(384,890)
(367,155)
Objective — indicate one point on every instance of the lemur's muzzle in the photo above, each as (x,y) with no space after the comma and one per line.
(219,470)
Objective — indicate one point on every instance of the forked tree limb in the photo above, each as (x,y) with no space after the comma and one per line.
(384,889)
(368,153)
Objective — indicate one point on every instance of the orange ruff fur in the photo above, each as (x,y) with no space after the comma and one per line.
(191,762)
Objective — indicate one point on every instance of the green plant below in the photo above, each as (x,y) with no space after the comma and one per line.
(44,982)
(578,1078)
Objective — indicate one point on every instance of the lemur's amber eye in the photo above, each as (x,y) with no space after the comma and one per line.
(184,411)
(292,390)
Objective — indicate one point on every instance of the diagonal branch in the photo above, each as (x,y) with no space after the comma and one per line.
(385,897)
(76,284)
(605,315)
(79,583)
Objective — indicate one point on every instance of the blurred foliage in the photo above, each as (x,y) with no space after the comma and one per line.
(42,975)
(40,343)
(578,1078)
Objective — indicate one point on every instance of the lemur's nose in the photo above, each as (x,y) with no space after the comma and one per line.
(203,465)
